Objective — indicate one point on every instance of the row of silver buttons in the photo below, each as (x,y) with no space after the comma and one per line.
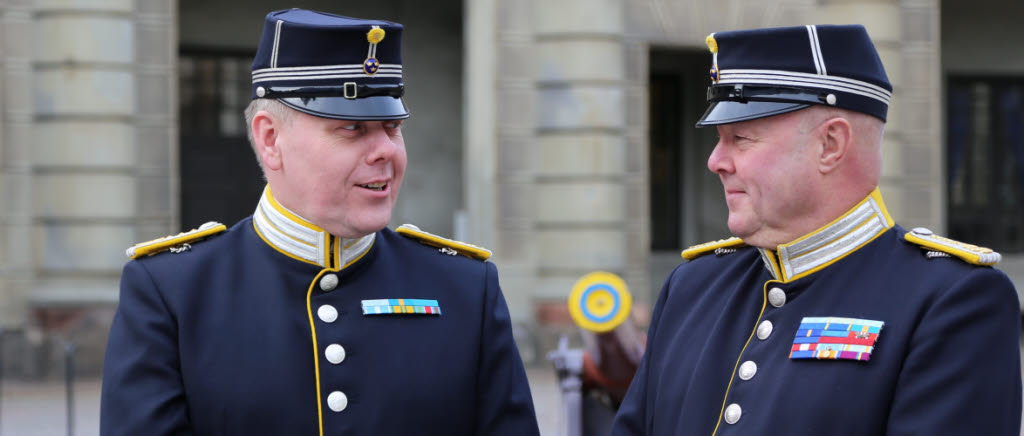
(777,298)
(335,353)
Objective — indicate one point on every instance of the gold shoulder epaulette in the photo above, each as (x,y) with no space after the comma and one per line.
(446,245)
(175,243)
(721,246)
(939,246)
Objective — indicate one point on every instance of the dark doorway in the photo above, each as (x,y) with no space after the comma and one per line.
(220,179)
(985,161)
(687,205)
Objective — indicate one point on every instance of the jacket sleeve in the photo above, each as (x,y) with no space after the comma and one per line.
(962,373)
(632,418)
(142,387)
(504,404)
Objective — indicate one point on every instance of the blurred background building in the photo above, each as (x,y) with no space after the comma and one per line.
(558,133)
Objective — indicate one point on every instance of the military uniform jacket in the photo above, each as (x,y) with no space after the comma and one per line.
(261,330)
(723,350)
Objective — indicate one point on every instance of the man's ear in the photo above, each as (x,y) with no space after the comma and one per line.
(265,131)
(836,139)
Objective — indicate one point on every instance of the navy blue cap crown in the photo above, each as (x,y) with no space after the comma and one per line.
(331,66)
(764,72)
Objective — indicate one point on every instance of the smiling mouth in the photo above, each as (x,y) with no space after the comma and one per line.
(375,186)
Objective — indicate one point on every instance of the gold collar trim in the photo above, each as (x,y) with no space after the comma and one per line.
(823,247)
(302,240)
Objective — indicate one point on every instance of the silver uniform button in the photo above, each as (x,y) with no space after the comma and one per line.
(747,370)
(922,231)
(777,297)
(764,330)
(327,313)
(335,353)
(337,401)
(732,413)
(261,91)
(329,282)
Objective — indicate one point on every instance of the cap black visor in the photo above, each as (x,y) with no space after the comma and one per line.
(725,112)
(356,109)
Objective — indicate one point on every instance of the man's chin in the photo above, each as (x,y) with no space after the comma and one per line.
(740,229)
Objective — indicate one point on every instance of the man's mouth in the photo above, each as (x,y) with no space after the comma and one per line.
(379,186)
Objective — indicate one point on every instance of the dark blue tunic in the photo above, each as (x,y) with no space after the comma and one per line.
(218,340)
(946,361)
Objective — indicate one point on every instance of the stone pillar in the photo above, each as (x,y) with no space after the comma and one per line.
(83,156)
(515,110)
(156,171)
(17,251)
(589,190)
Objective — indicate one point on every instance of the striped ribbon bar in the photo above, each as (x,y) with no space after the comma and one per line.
(835,338)
(401,306)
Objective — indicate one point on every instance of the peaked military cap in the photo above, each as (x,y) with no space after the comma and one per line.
(331,66)
(764,72)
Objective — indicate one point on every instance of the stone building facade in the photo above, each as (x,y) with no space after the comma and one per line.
(557,133)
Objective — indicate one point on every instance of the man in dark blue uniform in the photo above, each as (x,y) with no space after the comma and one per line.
(311,317)
(822,316)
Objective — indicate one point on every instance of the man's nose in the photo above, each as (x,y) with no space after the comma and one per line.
(384,146)
(719,161)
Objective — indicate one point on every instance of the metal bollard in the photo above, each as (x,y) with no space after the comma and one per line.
(69,385)
(569,368)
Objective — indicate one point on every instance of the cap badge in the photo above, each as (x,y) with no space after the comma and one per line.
(374,36)
(713,47)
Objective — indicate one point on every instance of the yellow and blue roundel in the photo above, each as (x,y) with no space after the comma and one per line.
(600,301)
(370,66)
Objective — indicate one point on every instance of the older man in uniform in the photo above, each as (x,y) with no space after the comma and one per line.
(822,316)
(311,317)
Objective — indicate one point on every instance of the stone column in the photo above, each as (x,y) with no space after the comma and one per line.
(515,110)
(157,174)
(83,154)
(589,190)
(17,251)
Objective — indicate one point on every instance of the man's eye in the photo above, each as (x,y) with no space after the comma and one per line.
(351,127)
(393,125)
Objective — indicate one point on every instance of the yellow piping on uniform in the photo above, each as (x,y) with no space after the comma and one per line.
(774,262)
(316,349)
(826,264)
(764,301)
(360,256)
(271,224)
(280,250)
(877,195)
(295,218)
